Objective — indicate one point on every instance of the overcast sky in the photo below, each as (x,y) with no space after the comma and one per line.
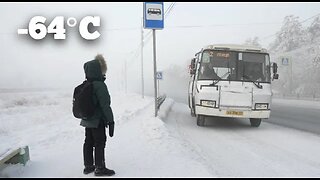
(58,63)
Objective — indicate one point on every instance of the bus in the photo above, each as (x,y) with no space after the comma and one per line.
(229,80)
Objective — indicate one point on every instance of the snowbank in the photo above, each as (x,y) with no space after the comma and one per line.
(165,108)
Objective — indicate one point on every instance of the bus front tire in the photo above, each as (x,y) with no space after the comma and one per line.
(255,122)
(200,120)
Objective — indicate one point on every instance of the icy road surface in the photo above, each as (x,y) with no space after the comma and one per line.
(231,147)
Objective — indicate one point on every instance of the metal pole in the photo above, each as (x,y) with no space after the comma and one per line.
(142,81)
(155,72)
(290,75)
(125,75)
(158,87)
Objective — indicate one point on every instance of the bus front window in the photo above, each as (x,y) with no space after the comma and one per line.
(216,65)
(234,66)
(254,66)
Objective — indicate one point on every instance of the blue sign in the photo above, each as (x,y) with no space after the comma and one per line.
(285,61)
(159,75)
(153,15)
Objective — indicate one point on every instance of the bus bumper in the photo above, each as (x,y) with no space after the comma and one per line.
(232,112)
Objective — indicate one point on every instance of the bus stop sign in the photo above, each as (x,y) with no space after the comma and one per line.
(285,61)
(159,75)
(153,15)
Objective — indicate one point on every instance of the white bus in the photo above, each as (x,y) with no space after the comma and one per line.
(231,81)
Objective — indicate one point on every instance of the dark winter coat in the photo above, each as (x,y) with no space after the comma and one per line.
(101,97)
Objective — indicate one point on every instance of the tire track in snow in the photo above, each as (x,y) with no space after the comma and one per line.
(257,149)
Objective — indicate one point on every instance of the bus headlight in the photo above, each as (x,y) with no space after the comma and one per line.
(261,106)
(208,103)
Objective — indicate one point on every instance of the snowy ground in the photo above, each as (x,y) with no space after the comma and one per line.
(141,146)
(144,146)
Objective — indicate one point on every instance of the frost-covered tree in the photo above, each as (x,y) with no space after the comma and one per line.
(290,36)
(314,29)
(302,44)
(253,42)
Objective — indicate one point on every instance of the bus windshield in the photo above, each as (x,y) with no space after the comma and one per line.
(234,66)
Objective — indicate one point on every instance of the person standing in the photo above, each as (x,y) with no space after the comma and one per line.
(95,126)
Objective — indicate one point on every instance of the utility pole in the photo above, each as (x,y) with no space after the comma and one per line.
(142,44)
(125,75)
(290,61)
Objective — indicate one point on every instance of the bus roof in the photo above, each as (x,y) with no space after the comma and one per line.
(236,47)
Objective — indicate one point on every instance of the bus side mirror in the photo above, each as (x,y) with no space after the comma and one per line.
(192,67)
(276,76)
(275,70)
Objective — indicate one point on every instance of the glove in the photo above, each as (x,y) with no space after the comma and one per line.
(111,129)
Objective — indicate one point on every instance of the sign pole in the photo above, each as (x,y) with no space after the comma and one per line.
(142,81)
(153,16)
(158,87)
(155,72)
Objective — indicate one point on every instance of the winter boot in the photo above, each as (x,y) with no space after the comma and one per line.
(88,169)
(103,171)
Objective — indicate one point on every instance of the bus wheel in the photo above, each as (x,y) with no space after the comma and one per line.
(200,120)
(255,122)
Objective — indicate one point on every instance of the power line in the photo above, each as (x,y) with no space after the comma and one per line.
(188,26)
(222,25)
(121,29)
(310,18)
(169,10)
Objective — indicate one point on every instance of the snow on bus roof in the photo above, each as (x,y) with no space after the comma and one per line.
(235,47)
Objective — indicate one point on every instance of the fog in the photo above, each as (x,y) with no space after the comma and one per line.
(49,63)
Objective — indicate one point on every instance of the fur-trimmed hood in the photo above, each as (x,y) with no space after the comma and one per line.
(95,69)
(102,62)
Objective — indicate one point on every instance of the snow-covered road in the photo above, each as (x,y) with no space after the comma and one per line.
(231,147)
(298,114)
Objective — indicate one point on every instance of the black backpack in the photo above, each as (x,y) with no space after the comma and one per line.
(83,106)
